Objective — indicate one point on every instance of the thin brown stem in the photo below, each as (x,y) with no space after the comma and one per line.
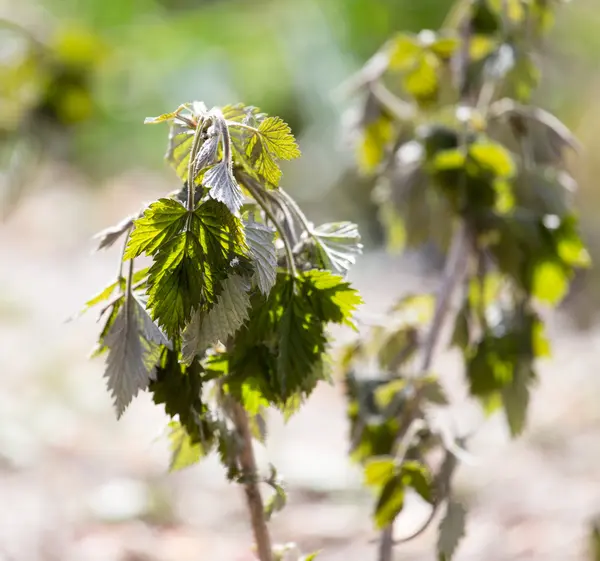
(253,497)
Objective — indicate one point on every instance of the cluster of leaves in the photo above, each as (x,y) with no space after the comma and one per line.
(457,150)
(45,89)
(235,304)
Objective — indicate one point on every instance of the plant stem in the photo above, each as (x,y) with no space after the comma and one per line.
(254,189)
(451,278)
(191,164)
(253,497)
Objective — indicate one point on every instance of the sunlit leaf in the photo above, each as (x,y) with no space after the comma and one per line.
(403,51)
(550,282)
(493,158)
(184,452)
(390,502)
(378,471)
(338,244)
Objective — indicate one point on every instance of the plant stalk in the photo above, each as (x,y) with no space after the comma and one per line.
(253,497)
(451,278)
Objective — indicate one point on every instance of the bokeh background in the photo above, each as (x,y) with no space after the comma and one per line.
(75,484)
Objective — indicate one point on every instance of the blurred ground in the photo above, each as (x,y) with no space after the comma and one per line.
(77,485)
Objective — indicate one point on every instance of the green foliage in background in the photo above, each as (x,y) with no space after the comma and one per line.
(460,154)
(231,316)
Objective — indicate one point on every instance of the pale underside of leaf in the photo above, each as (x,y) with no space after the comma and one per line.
(109,236)
(221,321)
(451,530)
(207,153)
(338,244)
(262,248)
(133,343)
(223,186)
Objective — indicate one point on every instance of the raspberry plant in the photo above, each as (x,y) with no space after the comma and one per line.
(230,316)
(460,156)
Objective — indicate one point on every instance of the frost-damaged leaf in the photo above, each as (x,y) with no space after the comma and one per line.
(273,140)
(337,244)
(207,154)
(223,186)
(159,223)
(228,314)
(451,530)
(110,235)
(262,248)
(184,452)
(134,343)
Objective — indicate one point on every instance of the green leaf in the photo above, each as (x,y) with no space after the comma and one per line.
(159,223)
(398,348)
(493,158)
(550,282)
(134,345)
(225,317)
(418,476)
(184,452)
(177,282)
(277,501)
(337,246)
(179,388)
(451,530)
(181,139)
(515,398)
(461,335)
(272,140)
(310,557)
(103,295)
(332,299)
(378,471)
(404,50)
(390,501)
(262,249)
(431,390)
(223,186)
(422,81)
(386,393)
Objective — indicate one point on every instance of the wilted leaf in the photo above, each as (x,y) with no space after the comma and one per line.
(207,154)
(110,235)
(337,246)
(227,315)
(223,186)
(379,470)
(452,529)
(262,249)
(133,343)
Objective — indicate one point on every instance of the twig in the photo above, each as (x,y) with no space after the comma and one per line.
(253,497)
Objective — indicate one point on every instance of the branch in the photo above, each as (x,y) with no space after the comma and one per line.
(253,497)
